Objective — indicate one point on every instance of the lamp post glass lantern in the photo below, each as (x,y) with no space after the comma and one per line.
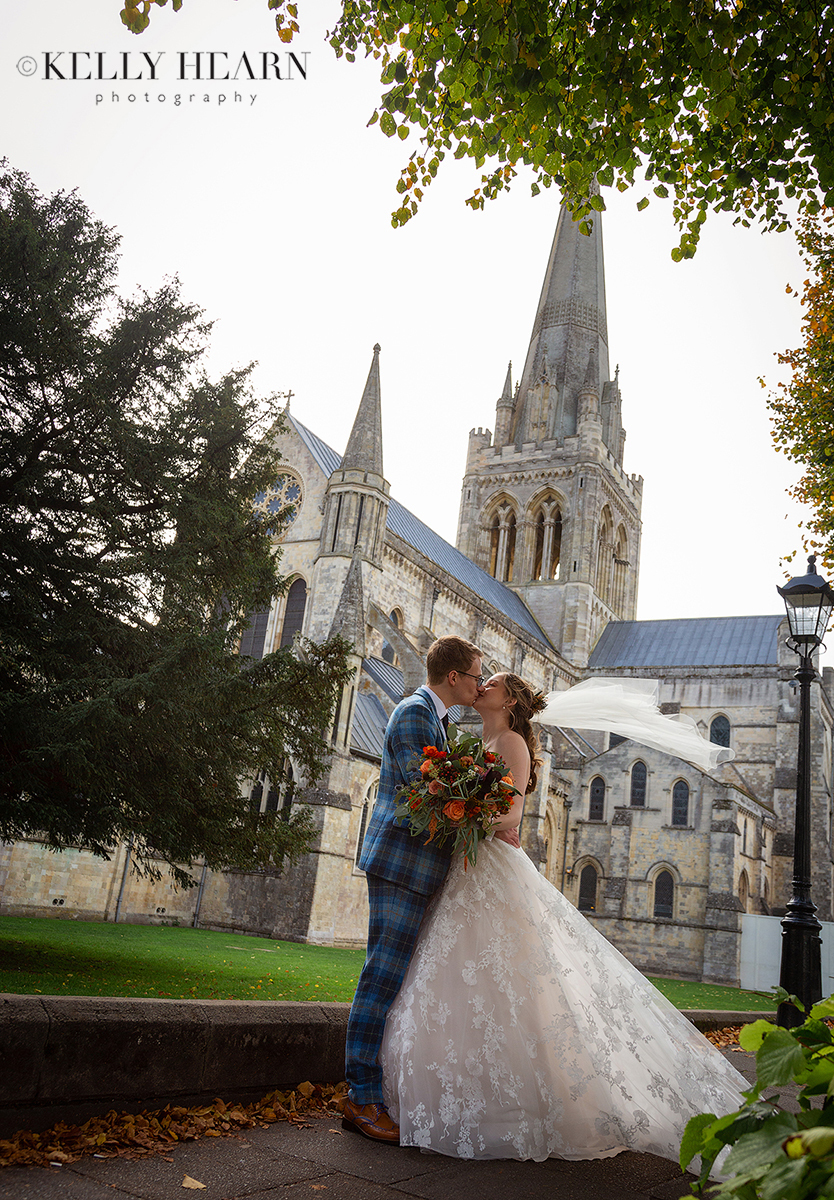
(809,601)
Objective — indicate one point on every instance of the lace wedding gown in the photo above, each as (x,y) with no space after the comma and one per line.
(520,1032)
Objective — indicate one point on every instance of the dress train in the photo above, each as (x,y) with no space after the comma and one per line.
(520,1032)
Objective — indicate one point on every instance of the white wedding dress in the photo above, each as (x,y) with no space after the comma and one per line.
(520,1032)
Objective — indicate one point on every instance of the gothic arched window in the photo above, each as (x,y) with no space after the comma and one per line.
(664,894)
(294,612)
(605,555)
(389,654)
(620,569)
(680,803)
(494,542)
(719,730)
(509,558)
(637,798)
(502,537)
(743,891)
(253,637)
(548,540)
(365,816)
(257,794)
(588,889)
(596,805)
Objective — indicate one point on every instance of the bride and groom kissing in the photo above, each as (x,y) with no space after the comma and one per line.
(491,1019)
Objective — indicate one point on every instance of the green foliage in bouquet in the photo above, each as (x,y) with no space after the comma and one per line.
(775,1155)
(459,792)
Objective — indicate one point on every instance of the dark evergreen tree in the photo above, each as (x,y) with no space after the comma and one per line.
(130,555)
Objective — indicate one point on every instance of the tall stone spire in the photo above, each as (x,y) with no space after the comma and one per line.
(570,322)
(364,448)
(356,501)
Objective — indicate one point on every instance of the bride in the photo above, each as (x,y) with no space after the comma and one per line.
(519,1031)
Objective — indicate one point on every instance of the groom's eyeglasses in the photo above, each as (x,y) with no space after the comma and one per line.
(479,679)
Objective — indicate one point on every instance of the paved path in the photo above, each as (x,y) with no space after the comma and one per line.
(324,1162)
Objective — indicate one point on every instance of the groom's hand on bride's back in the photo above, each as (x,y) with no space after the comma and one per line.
(510,836)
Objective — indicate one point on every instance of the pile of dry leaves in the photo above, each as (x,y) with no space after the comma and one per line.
(724,1039)
(138,1135)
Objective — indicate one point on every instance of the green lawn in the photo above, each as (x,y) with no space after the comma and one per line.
(709,996)
(87,958)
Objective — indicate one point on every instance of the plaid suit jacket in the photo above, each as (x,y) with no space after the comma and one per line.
(389,849)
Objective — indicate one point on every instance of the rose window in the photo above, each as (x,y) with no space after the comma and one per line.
(281,500)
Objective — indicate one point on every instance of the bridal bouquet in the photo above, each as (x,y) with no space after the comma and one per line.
(460,792)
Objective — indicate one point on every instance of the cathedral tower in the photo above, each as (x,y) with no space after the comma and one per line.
(546,505)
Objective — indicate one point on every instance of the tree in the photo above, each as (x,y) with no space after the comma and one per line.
(803,409)
(130,554)
(724,104)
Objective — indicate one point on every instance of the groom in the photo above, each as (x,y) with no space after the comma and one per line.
(403,873)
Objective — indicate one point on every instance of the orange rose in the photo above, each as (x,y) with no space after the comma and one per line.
(435,787)
(466,760)
(454,810)
(508,779)
(426,767)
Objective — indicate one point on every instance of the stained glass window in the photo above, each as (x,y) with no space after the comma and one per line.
(588,889)
(680,803)
(638,785)
(664,894)
(282,498)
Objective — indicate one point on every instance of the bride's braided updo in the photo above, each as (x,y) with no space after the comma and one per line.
(527,703)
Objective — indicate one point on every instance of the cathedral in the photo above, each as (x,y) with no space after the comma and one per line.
(662,857)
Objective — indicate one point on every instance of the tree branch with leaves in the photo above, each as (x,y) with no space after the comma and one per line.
(722,105)
(803,408)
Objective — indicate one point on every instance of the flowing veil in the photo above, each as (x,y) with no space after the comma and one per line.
(629,707)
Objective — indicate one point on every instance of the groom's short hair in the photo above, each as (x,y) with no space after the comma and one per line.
(450,654)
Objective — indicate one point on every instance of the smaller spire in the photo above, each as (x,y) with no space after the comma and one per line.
(364,448)
(591,383)
(507,394)
(588,398)
(349,620)
(504,410)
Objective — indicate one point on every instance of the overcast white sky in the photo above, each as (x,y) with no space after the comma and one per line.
(274,212)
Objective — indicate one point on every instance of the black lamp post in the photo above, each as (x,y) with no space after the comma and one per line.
(809,601)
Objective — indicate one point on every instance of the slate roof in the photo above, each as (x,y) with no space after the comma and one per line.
(370,717)
(388,677)
(413,531)
(369,721)
(688,642)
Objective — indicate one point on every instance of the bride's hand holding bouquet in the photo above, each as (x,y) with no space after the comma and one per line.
(460,792)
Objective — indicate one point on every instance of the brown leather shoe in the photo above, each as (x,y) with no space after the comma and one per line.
(372,1121)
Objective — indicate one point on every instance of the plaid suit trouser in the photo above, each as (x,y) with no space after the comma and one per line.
(394,922)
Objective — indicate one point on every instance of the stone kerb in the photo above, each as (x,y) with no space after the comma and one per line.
(66,1058)
(62,1050)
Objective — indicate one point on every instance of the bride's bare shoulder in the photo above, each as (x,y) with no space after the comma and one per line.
(508,742)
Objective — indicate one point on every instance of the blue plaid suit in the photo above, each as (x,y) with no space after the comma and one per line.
(403,874)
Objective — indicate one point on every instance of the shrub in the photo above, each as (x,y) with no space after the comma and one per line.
(774,1155)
